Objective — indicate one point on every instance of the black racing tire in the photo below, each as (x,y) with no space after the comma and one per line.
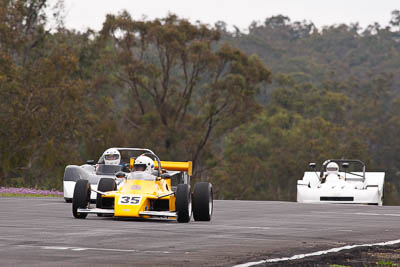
(81,198)
(68,200)
(202,201)
(183,203)
(105,185)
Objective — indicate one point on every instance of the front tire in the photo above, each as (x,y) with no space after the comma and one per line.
(183,203)
(202,201)
(81,198)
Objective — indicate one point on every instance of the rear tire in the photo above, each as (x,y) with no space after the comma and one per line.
(81,198)
(202,201)
(105,185)
(183,203)
(68,200)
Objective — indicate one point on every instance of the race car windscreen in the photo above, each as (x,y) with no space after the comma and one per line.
(108,169)
(140,175)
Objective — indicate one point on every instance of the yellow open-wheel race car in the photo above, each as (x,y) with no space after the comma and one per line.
(153,188)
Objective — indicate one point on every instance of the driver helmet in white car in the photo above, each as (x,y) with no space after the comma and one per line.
(144,163)
(112,157)
(332,168)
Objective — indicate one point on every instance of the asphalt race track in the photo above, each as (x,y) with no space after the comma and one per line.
(42,232)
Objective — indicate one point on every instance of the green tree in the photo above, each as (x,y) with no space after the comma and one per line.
(185,88)
(42,109)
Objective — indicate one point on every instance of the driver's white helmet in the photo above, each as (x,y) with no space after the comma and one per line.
(144,163)
(332,168)
(112,157)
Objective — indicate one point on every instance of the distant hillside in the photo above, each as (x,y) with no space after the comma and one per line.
(311,54)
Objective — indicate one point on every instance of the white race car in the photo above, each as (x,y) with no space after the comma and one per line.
(112,161)
(334,184)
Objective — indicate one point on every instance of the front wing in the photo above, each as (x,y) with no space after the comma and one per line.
(142,213)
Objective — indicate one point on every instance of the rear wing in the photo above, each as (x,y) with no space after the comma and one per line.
(176,166)
(170,166)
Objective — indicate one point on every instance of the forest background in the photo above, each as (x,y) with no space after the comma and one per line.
(250,108)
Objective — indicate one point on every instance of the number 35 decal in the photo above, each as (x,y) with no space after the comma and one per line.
(129,200)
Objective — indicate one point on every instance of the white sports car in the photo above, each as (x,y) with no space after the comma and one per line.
(335,184)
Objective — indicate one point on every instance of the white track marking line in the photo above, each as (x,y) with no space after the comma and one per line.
(358,213)
(225,226)
(243,238)
(47,204)
(95,249)
(318,253)
(243,227)
(57,248)
(258,227)
(377,214)
(231,227)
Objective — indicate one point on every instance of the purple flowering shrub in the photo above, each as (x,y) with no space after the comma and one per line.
(29,191)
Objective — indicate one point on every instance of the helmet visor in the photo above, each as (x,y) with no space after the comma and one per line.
(140,167)
(111,157)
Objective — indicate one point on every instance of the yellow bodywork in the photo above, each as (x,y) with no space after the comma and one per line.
(135,196)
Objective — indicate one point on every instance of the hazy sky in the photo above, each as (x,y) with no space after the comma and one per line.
(81,14)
